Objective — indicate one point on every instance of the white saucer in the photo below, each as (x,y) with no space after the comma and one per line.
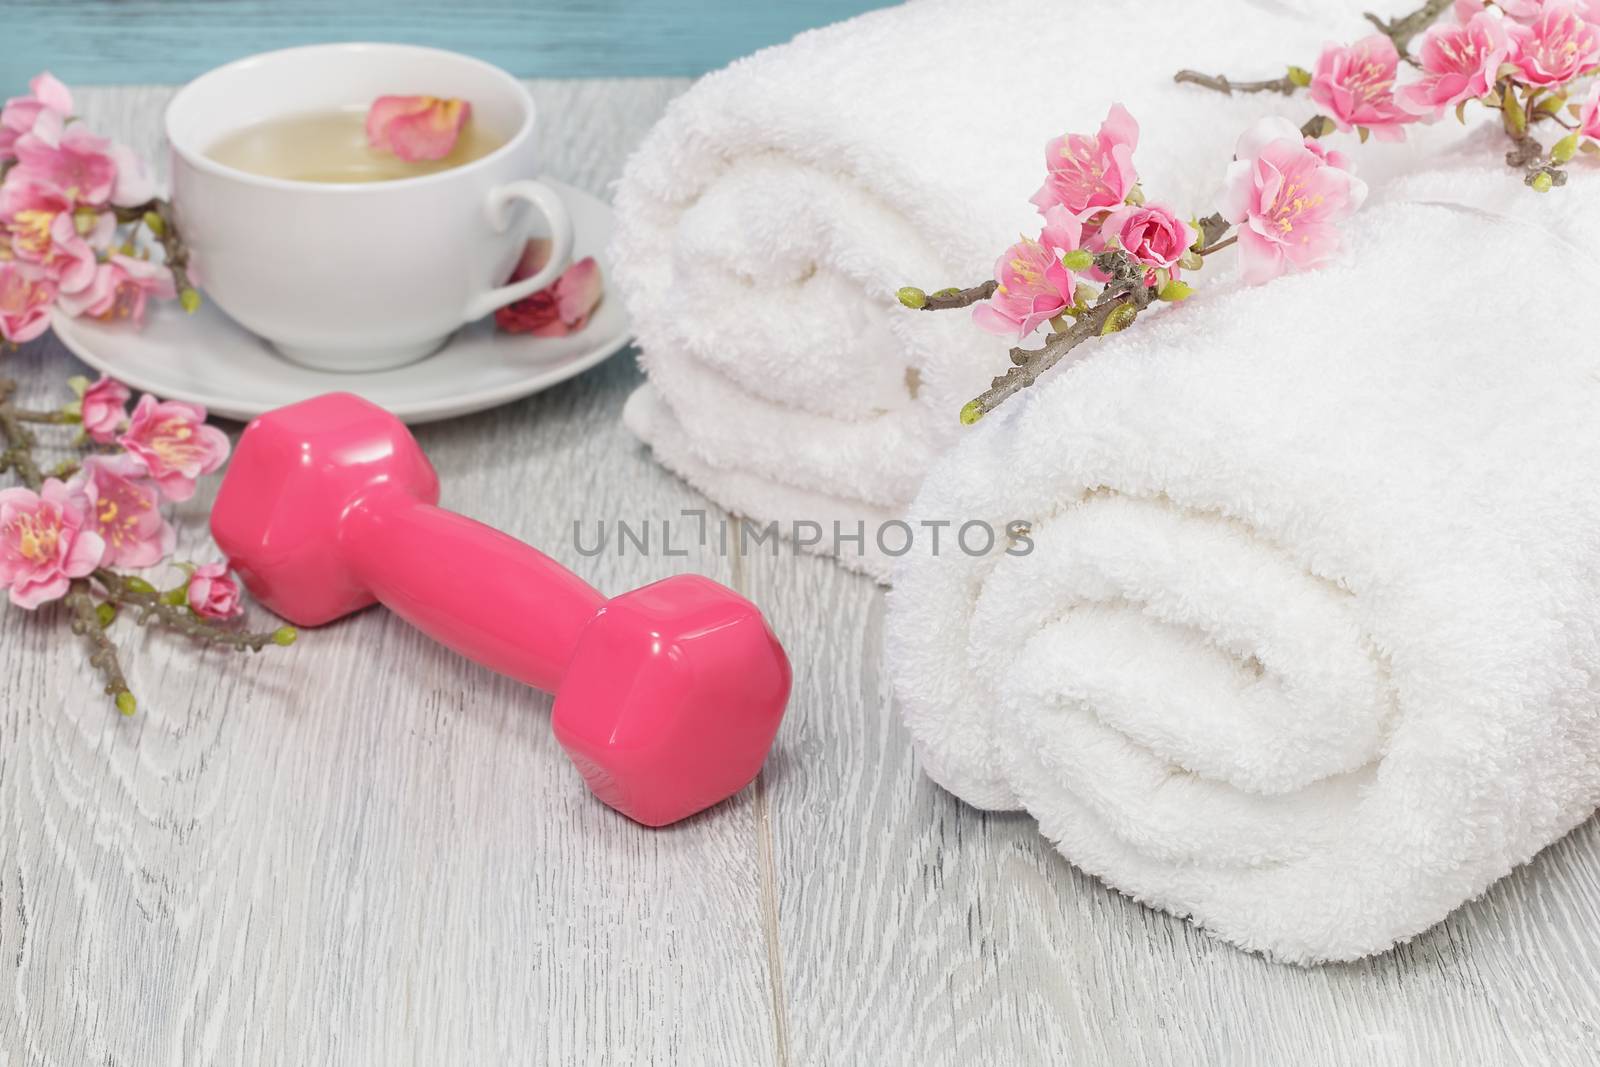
(206,358)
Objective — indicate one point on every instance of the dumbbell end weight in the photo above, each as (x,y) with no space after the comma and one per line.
(673,698)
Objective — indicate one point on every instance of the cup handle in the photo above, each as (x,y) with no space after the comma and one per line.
(498,207)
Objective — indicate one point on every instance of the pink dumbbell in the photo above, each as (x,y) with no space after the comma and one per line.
(667,698)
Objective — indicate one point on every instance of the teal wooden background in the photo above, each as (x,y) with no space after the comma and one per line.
(125,41)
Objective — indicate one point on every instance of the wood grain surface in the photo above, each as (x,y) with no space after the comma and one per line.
(366,851)
(118,42)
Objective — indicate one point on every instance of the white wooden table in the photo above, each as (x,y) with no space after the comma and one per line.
(367,851)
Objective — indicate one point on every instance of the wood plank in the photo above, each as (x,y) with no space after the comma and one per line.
(366,850)
(915,929)
(130,41)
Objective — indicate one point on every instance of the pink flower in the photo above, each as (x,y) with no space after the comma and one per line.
(416,127)
(70,158)
(213,593)
(21,113)
(1286,201)
(1153,234)
(1356,86)
(122,506)
(1521,10)
(105,408)
(120,289)
(45,230)
(1062,230)
(26,296)
(1556,47)
(1459,62)
(175,444)
(1330,156)
(1589,117)
(134,183)
(1089,174)
(44,543)
(562,308)
(1034,287)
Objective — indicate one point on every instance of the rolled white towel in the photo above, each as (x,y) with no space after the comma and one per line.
(1307,645)
(766,223)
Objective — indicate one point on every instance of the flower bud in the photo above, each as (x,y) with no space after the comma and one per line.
(971,413)
(947,293)
(1175,291)
(105,613)
(177,596)
(1318,126)
(126,703)
(1079,259)
(1541,182)
(155,223)
(1120,319)
(284,636)
(137,585)
(1512,113)
(190,299)
(913,298)
(1564,149)
(1299,77)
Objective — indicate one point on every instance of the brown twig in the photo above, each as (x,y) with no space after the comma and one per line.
(1028,364)
(157,217)
(20,442)
(1124,296)
(149,607)
(947,299)
(86,622)
(1402,29)
(53,418)
(1223,84)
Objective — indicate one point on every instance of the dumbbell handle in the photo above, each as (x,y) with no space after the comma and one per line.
(499,602)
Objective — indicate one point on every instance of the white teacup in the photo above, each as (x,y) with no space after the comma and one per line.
(359,277)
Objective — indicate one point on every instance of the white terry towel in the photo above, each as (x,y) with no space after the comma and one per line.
(766,223)
(1306,648)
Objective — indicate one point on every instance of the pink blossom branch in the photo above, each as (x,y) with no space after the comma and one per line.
(92,616)
(86,620)
(1028,364)
(1125,295)
(1118,304)
(150,607)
